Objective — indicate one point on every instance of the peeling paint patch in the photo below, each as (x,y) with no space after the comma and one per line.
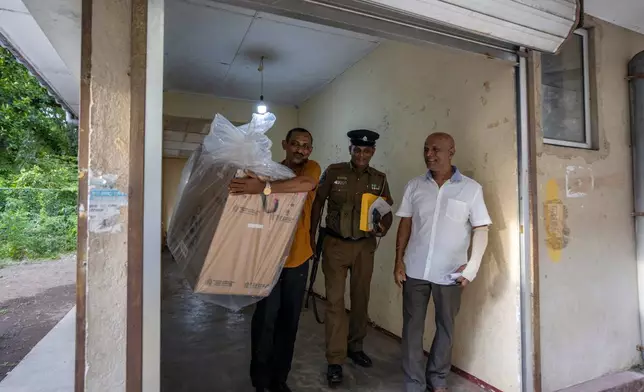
(493,125)
(579,181)
(483,101)
(105,202)
(486,86)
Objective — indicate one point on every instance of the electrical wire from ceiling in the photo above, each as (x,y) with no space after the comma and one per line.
(261,105)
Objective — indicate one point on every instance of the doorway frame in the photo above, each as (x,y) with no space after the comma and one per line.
(388,27)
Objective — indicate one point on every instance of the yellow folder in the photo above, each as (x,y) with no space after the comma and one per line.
(367,201)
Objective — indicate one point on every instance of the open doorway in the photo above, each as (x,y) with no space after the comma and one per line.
(330,81)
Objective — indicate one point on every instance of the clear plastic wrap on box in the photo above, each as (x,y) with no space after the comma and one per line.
(233,248)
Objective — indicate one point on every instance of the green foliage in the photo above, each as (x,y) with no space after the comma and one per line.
(32,124)
(38,211)
(38,168)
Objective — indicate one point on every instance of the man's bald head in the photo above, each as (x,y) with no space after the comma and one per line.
(439,151)
(441,137)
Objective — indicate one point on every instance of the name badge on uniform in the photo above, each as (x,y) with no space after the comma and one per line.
(340,182)
(375,187)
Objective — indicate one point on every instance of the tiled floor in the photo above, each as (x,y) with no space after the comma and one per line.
(206,348)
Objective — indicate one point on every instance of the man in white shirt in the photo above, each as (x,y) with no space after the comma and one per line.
(439,212)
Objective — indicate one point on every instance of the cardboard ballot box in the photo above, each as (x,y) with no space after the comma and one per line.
(231,245)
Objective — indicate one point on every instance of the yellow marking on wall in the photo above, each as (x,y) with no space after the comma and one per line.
(554,213)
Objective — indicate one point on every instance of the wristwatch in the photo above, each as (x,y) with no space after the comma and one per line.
(267,189)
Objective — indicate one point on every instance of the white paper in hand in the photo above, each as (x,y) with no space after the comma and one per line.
(455,276)
(382,207)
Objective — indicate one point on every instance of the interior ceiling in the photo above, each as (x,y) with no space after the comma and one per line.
(215,49)
(625,13)
(181,135)
(59,25)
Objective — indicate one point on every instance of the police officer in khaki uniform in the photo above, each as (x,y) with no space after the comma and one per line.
(349,249)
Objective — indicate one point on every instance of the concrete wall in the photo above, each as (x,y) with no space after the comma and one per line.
(589,318)
(206,106)
(109,108)
(406,92)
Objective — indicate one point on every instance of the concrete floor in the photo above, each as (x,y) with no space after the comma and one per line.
(206,348)
(49,366)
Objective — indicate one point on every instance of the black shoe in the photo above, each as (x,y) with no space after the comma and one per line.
(279,387)
(260,389)
(360,358)
(334,374)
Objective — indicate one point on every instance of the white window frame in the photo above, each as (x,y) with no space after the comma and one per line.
(587,144)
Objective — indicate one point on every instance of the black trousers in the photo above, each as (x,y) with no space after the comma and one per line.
(274,328)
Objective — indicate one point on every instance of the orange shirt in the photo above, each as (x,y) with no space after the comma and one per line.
(301,248)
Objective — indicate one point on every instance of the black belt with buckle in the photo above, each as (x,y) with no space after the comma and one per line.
(338,236)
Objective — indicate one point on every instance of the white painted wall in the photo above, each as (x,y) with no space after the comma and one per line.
(589,308)
(404,93)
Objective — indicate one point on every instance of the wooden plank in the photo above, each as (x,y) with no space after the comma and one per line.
(134,348)
(534,81)
(83,176)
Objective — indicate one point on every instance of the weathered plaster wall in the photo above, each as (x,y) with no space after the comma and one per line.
(406,92)
(109,143)
(206,106)
(588,283)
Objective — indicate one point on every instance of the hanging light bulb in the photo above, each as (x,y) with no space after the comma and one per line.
(261,105)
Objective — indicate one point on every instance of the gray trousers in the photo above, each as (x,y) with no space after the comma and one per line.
(447,301)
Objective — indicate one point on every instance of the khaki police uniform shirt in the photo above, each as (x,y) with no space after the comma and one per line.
(343,186)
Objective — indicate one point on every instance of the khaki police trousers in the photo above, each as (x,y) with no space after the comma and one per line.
(346,331)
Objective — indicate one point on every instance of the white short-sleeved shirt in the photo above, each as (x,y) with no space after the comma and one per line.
(442,221)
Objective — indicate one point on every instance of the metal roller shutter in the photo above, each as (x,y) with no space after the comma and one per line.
(537,24)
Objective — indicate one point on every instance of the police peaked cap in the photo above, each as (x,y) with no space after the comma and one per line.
(363,137)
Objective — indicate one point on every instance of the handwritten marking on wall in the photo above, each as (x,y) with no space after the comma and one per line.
(120,145)
(579,181)
(555,214)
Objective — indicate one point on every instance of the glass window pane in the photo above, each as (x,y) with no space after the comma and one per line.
(562,92)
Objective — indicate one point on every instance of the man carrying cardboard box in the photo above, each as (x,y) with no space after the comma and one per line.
(276,318)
